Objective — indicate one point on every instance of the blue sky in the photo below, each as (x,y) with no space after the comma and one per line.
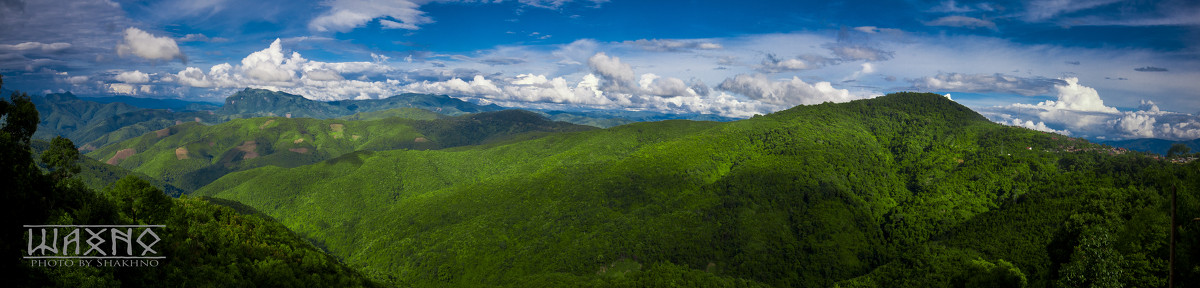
(1100,69)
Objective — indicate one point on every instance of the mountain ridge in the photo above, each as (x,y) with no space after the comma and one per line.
(260,102)
(809,196)
(192,154)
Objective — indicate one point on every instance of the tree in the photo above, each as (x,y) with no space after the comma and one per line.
(982,273)
(60,158)
(21,200)
(1178,149)
(139,200)
(21,117)
(1095,263)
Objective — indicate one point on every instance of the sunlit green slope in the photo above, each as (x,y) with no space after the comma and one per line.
(804,197)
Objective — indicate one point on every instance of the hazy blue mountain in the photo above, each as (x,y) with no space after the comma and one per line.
(259,102)
(63,114)
(92,124)
(154,103)
(95,122)
(1152,145)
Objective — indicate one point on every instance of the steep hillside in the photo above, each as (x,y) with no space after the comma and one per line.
(804,197)
(97,175)
(192,155)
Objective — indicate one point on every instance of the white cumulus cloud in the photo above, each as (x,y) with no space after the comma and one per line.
(1079,110)
(270,65)
(787,92)
(133,77)
(1039,126)
(615,76)
(1077,97)
(273,69)
(142,44)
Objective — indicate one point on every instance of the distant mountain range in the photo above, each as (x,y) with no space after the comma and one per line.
(154,103)
(258,103)
(93,122)
(191,155)
(1152,145)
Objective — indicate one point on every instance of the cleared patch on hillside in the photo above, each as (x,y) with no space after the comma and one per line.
(121,155)
(162,132)
(298,141)
(420,140)
(354,137)
(181,153)
(249,147)
(337,130)
(301,150)
(264,125)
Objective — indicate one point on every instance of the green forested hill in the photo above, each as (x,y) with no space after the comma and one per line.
(98,124)
(202,244)
(905,190)
(97,175)
(64,114)
(192,155)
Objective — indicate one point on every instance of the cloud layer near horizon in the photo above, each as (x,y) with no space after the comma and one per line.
(608,83)
(1079,111)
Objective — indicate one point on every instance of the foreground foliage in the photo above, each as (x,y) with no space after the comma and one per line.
(204,244)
